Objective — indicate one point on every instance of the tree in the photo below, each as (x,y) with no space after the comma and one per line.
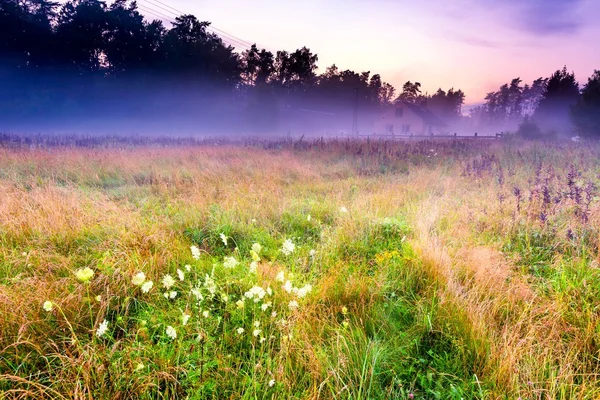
(560,93)
(257,67)
(447,105)
(411,92)
(586,113)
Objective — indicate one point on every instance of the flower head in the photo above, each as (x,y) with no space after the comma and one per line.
(171,332)
(288,247)
(343,210)
(256,247)
(195,252)
(239,303)
(180,274)
(147,286)
(84,274)
(280,277)
(253,267)
(48,306)
(101,331)
(168,281)
(188,267)
(223,238)
(240,331)
(205,313)
(138,279)
(230,262)
(293,305)
(256,332)
(272,383)
(303,291)
(185,318)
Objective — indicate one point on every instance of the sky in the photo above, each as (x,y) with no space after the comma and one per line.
(473,45)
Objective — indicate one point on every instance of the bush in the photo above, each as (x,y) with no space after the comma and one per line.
(529,130)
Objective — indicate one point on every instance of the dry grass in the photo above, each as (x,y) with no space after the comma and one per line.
(495,329)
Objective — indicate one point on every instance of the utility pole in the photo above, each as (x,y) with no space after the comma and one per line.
(355,114)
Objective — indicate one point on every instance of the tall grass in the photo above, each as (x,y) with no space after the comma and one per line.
(428,270)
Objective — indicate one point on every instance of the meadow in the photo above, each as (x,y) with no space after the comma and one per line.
(299,270)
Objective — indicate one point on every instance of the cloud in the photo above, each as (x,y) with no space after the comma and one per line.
(477,41)
(544,17)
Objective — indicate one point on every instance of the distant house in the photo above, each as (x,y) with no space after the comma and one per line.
(409,119)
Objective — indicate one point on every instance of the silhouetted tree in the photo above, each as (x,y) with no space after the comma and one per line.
(560,93)
(411,92)
(586,113)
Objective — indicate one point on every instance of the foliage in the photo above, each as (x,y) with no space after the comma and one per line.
(586,113)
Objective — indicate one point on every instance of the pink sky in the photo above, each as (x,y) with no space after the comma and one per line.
(474,45)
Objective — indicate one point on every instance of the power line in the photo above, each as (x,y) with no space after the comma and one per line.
(225,36)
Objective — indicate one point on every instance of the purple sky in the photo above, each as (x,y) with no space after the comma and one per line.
(474,45)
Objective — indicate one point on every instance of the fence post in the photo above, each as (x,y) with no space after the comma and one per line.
(475,134)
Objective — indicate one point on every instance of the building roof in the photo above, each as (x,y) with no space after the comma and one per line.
(425,114)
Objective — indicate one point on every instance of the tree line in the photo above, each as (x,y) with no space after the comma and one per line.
(557,105)
(90,58)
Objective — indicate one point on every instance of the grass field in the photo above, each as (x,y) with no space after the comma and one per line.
(325,270)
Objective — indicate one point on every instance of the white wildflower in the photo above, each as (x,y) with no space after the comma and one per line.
(98,298)
(256,324)
(274,314)
(180,274)
(253,267)
(195,252)
(171,332)
(223,238)
(265,306)
(256,247)
(48,306)
(343,210)
(197,294)
(288,286)
(210,285)
(293,305)
(303,291)
(271,382)
(262,339)
(188,267)
(239,303)
(270,291)
(147,286)
(288,247)
(308,217)
(256,292)
(172,294)
(256,332)
(84,274)
(280,277)
(168,281)
(230,262)
(101,331)
(139,367)
(240,331)
(185,317)
(138,279)
(205,313)
(312,253)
